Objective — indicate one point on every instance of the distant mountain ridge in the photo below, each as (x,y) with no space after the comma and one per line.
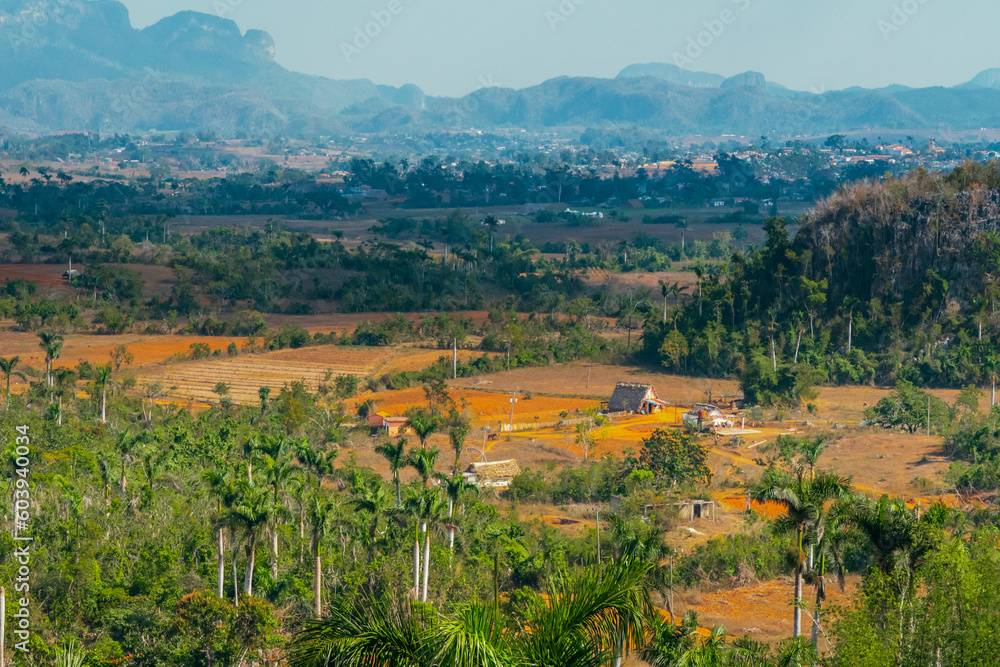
(80,65)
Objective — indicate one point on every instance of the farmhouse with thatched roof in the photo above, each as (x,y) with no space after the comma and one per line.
(498,474)
(632,397)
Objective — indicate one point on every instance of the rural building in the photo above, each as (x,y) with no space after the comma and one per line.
(498,474)
(71,273)
(705,416)
(391,426)
(631,397)
(697,509)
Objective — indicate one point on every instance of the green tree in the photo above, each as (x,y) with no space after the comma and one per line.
(52,343)
(8,366)
(423,423)
(675,458)
(394,455)
(804,501)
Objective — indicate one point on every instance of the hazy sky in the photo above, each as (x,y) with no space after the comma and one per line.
(451,47)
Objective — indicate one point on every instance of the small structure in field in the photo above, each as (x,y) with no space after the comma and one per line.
(705,416)
(391,426)
(71,273)
(635,398)
(495,475)
(697,509)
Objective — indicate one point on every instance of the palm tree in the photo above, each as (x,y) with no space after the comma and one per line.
(577,627)
(665,291)
(892,530)
(456,488)
(811,450)
(65,379)
(223,486)
(457,435)
(699,272)
(263,393)
(641,542)
(252,515)
(126,445)
(491,223)
(278,469)
(321,514)
(423,461)
(682,225)
(102,378)
(52,343)
(7,367)
(251,450)
(423,425)
(370,496)
(804,501)
(393,453)
(428,508)
(831,541)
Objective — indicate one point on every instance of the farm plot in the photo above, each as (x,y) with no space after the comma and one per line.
(196,380)
(246,374)
(486,408)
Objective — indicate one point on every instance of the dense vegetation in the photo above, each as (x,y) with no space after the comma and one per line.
(241,534)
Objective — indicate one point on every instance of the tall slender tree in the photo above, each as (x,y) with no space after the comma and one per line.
(7,366)
(321,514)
(395,456)
(804,503)
(52,343)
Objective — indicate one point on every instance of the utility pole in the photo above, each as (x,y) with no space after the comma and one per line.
(589,366)
(454,361)
(513,400)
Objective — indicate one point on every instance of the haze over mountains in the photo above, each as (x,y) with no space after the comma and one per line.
(80,65)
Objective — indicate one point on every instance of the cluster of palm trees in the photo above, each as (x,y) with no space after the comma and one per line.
(823,515)
(59,382)
(249,508)
(594,617)
(281,480)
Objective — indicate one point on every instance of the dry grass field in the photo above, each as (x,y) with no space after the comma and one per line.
(245,374)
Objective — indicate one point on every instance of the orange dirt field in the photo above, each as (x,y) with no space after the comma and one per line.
(486,408)
(762,610)
(48,277)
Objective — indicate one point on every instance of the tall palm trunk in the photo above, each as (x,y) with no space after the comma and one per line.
(416,565)
(222,565)
(318,580)
(236,576)
(427,560)
(797,610)
(797,344)
(251,562)
(820,595)
(274,551)
(451,525)
(619,649)
(104,405)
